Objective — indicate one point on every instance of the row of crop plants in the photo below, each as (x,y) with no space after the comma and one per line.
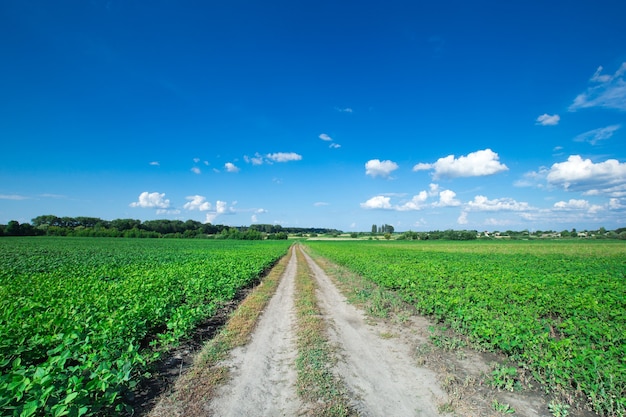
(558,309)
(82,319)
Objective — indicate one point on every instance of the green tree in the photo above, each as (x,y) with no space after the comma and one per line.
(13,228)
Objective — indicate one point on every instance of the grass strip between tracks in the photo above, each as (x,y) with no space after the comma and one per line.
(317,385)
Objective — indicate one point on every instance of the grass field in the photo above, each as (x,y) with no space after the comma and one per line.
(557,308)
(80,318)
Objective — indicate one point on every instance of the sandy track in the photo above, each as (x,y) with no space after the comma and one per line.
(263,372)
(380,373)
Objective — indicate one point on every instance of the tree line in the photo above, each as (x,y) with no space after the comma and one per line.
(51,225)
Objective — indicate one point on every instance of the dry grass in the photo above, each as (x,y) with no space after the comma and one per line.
(194,389)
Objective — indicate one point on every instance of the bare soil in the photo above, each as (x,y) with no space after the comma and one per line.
(389,367)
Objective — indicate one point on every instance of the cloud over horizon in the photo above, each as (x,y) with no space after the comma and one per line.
(151,200)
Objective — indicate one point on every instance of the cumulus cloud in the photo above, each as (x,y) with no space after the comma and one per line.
(475,164)
(334,146)
(155,163)
(548,120)
(283,156)
(254,219)
(324,136)
(482,203)
(378,202)
(578,174)
(595,135)
(462,218)
(608,91)
(197,202)
(418,202)
(221,207)
(572,204)
(230,167)
(149,200)
(376,167)
(447,198)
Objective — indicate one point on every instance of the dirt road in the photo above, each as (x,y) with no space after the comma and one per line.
(264,375)
(379,373)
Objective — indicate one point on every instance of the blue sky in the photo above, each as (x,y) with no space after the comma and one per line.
(423,115)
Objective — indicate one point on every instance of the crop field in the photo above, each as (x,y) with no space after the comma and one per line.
(556,308)
(80,318)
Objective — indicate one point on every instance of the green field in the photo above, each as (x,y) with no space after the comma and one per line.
(556,308)
(80,318)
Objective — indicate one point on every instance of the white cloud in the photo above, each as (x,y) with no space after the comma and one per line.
(475,164)
(334,146)
(15,197)
(595,135)
(320,204)
(324,136)
(230,167)
(257,159)
(462,218)
(422,167)
(196,160)
(148,200)
(547,120)
(253,219)
(270,158)
(197,202)
(417,202)
(574,204)
(378,202)
(447,198)
(155,163)
(607,91)
(284,156)
(221,207)
(196,170)
(482,203)
(344,110)
(375,168)
(578,174)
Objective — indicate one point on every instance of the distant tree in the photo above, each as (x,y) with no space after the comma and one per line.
(354,235)
(46,220)
(13,228)
(374,227)
(125,224)
(387,235)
